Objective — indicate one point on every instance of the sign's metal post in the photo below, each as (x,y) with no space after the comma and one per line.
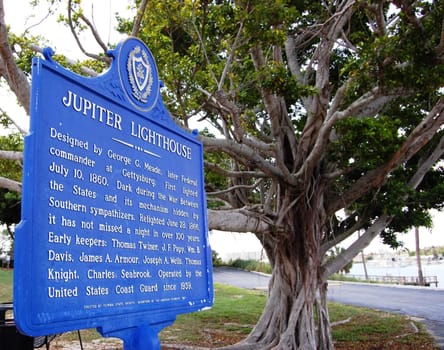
(114,231)
(143,337)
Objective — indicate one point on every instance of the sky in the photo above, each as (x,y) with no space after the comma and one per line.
(20,16)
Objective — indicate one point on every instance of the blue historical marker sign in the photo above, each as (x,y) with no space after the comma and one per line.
(114,229)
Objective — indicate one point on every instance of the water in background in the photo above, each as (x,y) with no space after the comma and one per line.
(401,267)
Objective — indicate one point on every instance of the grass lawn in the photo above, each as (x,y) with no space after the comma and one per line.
(5,285)
(236,311)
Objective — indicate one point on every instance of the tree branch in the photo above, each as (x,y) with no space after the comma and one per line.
(10,184)
(236,220)
(347,255)
(294,65)
(14,76)
(234,113)
(310,142)
(204,50)
(230,57)
(368,104)
(245,155)
(11,155)
(226,107)
(439,50)
(281,125)
(232,188)
(378,11)
(233,174)
(139,16)
(358,223)
(16,125)
(426,163)
(94,32)
(83,69)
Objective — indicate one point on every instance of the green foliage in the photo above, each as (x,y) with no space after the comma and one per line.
(6,277)
(217,260)
(368,143)
(277,79)
(10,208)
(382,59)
(97,66)
(365,143)
(10,168)
(251,265)
(412,212)
(21,45)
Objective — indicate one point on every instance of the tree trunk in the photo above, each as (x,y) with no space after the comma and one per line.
(288,320)
(295,316)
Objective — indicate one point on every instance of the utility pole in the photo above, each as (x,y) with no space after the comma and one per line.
(418,258)
(363,259)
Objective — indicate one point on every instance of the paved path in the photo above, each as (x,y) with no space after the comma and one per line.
(426,304)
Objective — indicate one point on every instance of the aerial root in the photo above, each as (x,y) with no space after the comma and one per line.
(414,331)
(337,323)
(250,346)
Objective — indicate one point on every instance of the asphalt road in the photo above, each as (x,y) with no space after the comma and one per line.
(424,303)
(240,278)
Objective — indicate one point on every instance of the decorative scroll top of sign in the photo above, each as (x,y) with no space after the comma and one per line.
(117,237)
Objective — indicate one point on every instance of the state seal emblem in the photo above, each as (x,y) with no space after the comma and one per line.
(137,74)
(140,74)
